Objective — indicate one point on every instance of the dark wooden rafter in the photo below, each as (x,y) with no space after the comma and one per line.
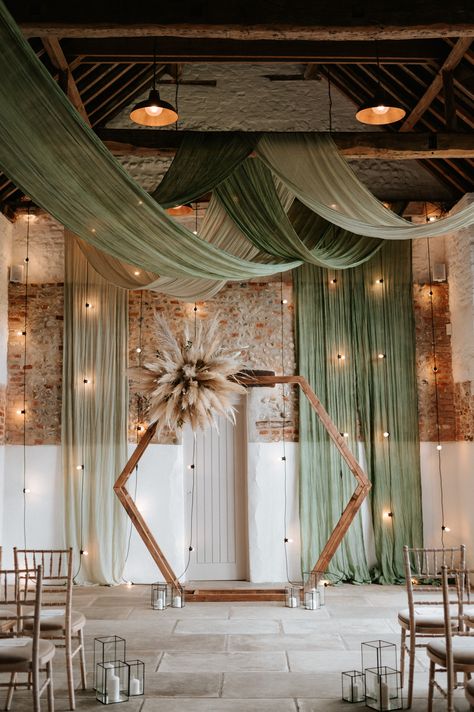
(451,62)
(56,55)
(358,144)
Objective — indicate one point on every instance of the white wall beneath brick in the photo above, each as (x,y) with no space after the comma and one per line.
(5,259)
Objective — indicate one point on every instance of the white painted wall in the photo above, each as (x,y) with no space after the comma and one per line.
(44,504)
(458,485)
(266,512)
(160,498)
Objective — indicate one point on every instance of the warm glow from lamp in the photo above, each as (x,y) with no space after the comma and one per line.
(153,111)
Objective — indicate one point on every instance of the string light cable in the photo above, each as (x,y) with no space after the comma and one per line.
(25,356)
(444,528)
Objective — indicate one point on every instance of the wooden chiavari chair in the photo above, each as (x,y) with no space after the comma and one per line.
(20,654)
(59,622)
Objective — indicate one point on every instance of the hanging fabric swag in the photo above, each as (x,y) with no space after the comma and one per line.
(342,326)
(53,156)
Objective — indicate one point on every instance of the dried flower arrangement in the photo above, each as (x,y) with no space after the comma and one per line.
(189,381)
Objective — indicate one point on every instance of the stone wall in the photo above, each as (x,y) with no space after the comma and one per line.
(43,367)
(250,318)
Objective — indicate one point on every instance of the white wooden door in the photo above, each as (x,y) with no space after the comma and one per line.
(219,526)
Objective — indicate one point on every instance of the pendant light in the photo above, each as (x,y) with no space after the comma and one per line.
(154,111)
(379,110)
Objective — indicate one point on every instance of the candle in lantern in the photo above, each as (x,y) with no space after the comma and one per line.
(135,686)
(177,601)
(113,688)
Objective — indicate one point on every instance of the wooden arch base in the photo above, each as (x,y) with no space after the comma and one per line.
(337,535)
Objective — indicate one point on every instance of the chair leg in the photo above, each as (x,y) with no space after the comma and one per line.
(411,670)
(70,673)
(82,653)
(431,686)
(36,688)
(11,689)
(402,656)
(49,673)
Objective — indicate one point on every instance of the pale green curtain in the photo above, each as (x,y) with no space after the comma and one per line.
(94,417)
(359,318)
(250,197)
(202,161)
(312,168)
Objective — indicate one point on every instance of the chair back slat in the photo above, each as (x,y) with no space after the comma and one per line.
(15,597)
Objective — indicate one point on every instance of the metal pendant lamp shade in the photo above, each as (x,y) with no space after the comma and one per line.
(379,111)
(154,111)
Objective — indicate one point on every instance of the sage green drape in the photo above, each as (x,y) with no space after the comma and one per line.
(202,161)
(94,417)
(357,318)
(250,198)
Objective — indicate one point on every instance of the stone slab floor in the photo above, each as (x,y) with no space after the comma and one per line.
(239,657)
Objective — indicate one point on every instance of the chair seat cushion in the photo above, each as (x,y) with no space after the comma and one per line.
(50,623)
(463,650)
(20,652)
(470,692)
(425,617)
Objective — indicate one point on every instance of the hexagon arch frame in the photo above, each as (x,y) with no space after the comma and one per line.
(352,507)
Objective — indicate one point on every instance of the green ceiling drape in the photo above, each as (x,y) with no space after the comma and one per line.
(202,162)
(358,318)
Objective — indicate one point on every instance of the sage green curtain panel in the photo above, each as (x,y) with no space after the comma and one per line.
(342,328)
(94,417)
(202,161)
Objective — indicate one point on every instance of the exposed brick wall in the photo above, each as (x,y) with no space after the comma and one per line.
(250,317)
(427,405)
(43,366)
(464,404)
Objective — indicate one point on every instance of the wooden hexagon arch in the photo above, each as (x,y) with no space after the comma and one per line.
(339,531)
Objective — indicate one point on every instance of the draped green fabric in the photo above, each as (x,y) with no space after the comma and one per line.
(310,165)
(202,161)
(358,318)
(54,157)
(250,197)
(94,417)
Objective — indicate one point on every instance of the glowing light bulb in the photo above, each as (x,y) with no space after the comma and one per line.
(191,548)
(195,232)
(379,281)
(140,202)
(445,529)
(333,206)
(93,229)
(284,301)
(84,552)
(79,467)
(129,584)
(341,357)
(432,218)
(190,467)
(388,515)
(139,427)
(136,273)
(381,356)
(153,110)
(287,540)
(138,350)
(380,109)
(86,380)
(26,490)
(345,435)
(386,434)
(21,333)
(435,369)
(439,447)
(21,412)
(88,306)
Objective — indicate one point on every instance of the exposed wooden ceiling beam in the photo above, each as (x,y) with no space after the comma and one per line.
(451,61)
(57,57)
(358,144)
(322,30)
(176,49)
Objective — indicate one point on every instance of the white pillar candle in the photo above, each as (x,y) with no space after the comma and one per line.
(355,692)
(322,594)
(292,602)
(101,676)
(135,686)
(384,696)
(113,688)
(177,602)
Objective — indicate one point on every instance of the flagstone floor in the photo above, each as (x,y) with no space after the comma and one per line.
(239,657)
